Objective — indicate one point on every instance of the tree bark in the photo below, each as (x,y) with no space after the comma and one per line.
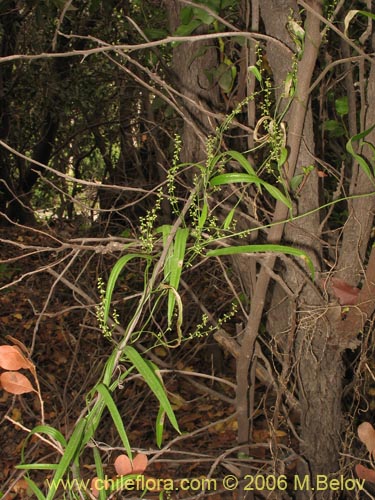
(190,64)
(321,334)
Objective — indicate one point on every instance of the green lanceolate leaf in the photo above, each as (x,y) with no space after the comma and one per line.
(116,417)
(155,33)
(255,71)
(250,179)
(148,372)
(177,258)
(360,159)
(334,128)
(99,472)
(268,248)
(165,230)
(283,157)
(174,263)
(93,421)
(229,218)
(43,429)
(296,181)
(160,427)
(186,15)
(233,178)
(34,488)
(203,215)
(203,16)
(187,29)
(36,466)
(277,194)
(50,431)
(72,449)
(342,105)
(244,162)
(117,268)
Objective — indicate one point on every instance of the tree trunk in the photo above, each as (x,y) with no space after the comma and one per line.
(320,334)
(190,63)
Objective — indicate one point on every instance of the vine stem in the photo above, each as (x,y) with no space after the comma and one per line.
(297,118)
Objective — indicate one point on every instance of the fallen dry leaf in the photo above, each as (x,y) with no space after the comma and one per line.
(365,473)
(366,434)
(123,465)
(11,358)
(15,383)
(347,294)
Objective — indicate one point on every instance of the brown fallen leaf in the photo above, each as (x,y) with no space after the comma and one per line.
(346,294)
(366,434)
(11,358)
(15,383)
(124,466)
(365,473)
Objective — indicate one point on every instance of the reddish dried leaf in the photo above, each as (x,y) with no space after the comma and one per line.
(123,465)
(94,489)
(17,343)
(97,486)
(347,294)
(366,434)
(140,463)
(11,358)
(365,473)
(15,383)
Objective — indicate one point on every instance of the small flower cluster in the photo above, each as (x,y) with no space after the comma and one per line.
(107,332)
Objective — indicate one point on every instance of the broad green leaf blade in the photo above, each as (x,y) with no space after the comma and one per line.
(255,71)
(264,249)
(372,147)
(43,429)
(93,421)
(50,431)
(160,427)
(342,105)
(147,371)
(225,77)
(245,164)
(72,448)
(283,157)
(117,268)
(187,29)
(99,472)
(34,488)
(233,178)
(176,265)
(36,466)
(247,178)
(229,218)
(361,161)
(290,85)
(296,181)
(155,33)
(109,368)
(334,128)
(203,16)
(277,194)
(165,230)
(203,215)
(186,15)
(213,161)
(116,417)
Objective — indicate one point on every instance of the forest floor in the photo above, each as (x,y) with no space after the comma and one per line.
(68,349)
